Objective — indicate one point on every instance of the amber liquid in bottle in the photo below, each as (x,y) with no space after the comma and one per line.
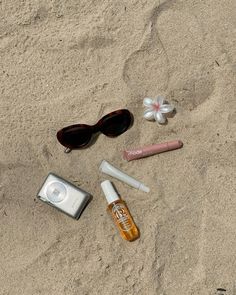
(123,220)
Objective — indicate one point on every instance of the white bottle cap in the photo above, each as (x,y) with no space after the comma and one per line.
(109,191)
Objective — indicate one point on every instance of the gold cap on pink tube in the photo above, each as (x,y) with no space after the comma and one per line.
(150,150)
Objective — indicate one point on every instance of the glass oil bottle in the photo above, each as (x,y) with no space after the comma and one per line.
(120,213)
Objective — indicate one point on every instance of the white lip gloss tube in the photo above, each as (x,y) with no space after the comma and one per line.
(107,168)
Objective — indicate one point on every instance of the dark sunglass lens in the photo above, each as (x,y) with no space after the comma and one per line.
(76,136)
(116,123)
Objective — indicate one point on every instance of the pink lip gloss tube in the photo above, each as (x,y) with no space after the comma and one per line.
(150,150)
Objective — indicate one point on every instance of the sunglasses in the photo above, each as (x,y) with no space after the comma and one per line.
(79,136)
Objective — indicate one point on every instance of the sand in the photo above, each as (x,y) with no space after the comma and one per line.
(66,62)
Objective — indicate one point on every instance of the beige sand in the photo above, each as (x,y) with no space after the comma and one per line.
(65,62)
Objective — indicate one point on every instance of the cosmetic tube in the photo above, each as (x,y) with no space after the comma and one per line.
(107,168)
(150,150)
(120,213)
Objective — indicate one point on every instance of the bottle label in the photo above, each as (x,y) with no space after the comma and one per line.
(122,217)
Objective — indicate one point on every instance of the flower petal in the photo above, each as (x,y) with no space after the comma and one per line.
(147,102)
(160,99)
(148,114)
(159,117)
(166,108)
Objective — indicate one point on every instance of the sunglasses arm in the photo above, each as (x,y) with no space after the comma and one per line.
(67,150)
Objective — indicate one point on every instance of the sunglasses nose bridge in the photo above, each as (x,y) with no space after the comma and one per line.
(96,128)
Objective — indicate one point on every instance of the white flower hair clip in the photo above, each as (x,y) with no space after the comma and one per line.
(156,109)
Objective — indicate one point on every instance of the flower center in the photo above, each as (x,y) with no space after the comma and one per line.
(156,106)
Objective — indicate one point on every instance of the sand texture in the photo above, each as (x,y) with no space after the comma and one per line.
(67,62)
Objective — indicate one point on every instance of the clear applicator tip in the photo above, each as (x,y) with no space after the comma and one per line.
(144,188)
